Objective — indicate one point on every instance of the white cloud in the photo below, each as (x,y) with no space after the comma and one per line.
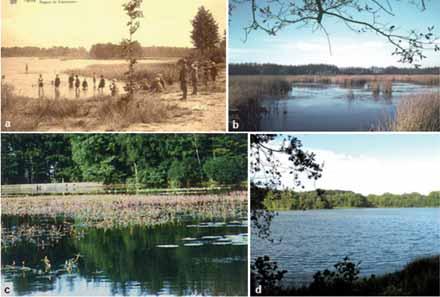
(371,175)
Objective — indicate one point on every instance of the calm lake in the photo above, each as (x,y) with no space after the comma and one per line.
(328,107)
(24,84)
(384,239)
(184,259)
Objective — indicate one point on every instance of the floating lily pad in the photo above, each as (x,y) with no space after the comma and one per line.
(239,243)
(223,240)
(222,243)
(194,244)
(167,246)
(211,237)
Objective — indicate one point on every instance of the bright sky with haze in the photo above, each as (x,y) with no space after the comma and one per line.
(294,45)
(374,163)
(86,22)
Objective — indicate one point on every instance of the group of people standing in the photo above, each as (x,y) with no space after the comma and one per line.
(206,70)
(75,83)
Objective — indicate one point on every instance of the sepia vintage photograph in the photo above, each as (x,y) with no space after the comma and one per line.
(125,65)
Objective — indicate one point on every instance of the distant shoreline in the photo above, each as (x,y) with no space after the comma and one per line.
(88,58)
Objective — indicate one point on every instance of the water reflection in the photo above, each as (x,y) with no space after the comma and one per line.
(328,107)
(129,261)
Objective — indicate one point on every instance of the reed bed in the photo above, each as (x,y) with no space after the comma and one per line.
(119,211)
(245,94)
(347,80)
(417,113)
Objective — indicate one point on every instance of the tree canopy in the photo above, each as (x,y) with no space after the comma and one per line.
(290,200)
(204,34)
(159,160)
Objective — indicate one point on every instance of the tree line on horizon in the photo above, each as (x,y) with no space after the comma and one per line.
(321,69)
(156,161)
(97,51)
(204,36)
(276,200)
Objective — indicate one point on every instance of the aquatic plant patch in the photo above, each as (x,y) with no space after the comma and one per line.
(118,211)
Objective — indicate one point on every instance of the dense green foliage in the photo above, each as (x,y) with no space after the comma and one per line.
(418,278)
(290,200)
(320,69)
(225,170)
(152,160)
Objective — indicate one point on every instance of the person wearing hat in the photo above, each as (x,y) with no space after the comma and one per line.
(183,77)
(194,77)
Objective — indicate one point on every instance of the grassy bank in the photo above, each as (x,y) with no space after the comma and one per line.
(107,211)
(418,278)
(101,113)
(245,94)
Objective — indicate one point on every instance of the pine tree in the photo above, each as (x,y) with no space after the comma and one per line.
(205,30)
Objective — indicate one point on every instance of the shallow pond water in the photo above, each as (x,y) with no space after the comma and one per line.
(167,260)
(384,239)
(25,84)
(329,107)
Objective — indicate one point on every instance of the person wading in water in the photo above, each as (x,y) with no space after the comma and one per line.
(57,86)
(101,85)
(77,85)
(40,86)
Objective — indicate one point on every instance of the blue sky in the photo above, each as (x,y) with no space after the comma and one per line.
(373,163)
(302,46)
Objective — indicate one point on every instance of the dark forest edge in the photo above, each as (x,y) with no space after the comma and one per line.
(418,278)
(322,69)
(153,161)
(275,200)
(105,51)
(97,51)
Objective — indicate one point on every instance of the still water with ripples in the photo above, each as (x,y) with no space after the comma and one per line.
(384,239)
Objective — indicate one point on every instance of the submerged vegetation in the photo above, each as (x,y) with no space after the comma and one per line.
(418,278)
(327,199)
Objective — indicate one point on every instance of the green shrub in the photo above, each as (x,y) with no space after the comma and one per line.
(226,170)
(183,173)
